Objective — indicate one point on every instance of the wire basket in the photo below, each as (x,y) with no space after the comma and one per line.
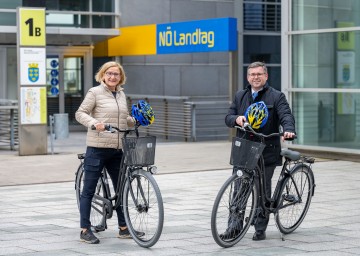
(245,153)
(139,150)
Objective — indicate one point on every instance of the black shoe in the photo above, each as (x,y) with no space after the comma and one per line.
(88,237)
(259,235)
(126,234)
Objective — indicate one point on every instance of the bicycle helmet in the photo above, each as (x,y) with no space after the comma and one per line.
(143,113)
(257,115)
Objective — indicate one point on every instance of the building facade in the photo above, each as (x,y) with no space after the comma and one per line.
(321,71)
(310,47)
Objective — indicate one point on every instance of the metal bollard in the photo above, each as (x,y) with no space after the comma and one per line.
(61,126)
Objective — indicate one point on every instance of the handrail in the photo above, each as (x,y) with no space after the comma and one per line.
(9,125)
(184,118)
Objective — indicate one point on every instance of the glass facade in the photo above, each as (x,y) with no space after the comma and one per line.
(64,13)
(262,39)
(322,14)
(325,72)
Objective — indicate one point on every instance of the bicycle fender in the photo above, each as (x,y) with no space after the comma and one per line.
(298,165)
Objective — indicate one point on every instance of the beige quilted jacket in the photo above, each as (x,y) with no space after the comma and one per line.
(100,105)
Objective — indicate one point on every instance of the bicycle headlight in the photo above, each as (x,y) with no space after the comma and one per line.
(153,169)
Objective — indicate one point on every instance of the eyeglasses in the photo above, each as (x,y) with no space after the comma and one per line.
(256,74)
(110,74)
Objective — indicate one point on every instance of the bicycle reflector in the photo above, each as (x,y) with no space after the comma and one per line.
(143,113)
(257,114)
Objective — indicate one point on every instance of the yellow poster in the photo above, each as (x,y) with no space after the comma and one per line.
(33,105)
(345,39)
(32,27)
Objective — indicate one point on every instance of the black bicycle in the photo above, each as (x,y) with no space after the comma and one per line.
(138,193)
(238,199)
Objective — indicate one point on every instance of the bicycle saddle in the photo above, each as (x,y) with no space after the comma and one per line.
(292,155)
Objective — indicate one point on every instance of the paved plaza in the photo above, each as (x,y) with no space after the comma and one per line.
(41,217)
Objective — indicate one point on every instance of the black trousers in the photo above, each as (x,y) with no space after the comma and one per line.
(262,218)
(95,160)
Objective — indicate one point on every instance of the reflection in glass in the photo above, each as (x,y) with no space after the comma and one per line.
(325,61)
(327,119)
(319,14)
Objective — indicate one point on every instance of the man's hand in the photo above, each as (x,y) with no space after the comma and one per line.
(240,120)
(288,135)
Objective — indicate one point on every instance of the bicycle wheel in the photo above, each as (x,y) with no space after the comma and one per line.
(98,209)
(234,209)
(295,198)
(143,208)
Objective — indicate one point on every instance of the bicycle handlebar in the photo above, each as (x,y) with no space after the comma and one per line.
(248,128)
(112,129)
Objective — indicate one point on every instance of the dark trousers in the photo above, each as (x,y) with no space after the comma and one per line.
(95,160)
(262,218)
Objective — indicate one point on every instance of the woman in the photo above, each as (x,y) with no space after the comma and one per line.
(103,104)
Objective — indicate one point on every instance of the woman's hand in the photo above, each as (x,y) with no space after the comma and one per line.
(100,127)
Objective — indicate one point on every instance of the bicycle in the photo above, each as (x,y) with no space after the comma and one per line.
(137,193)
(237,201)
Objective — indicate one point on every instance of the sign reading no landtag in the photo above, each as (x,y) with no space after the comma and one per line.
(32,27)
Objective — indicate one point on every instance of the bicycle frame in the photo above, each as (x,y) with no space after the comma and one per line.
(114,202)
(273,204)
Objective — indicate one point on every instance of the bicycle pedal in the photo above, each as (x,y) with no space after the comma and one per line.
(98,229)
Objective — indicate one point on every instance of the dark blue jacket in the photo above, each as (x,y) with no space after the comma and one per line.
(279,114)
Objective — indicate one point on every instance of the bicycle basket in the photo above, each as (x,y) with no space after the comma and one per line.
(245,153)
(139,150)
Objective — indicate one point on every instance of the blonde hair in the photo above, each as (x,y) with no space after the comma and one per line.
(100,74)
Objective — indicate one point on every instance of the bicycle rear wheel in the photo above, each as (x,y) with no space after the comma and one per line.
(143,208)
(98,209)
(234,209)
(295,198)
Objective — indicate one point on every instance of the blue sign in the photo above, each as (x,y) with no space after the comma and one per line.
(54,72)
(210,35)
(54,63)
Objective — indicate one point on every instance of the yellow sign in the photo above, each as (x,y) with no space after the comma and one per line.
(32,27)
(345,39)
(133,40)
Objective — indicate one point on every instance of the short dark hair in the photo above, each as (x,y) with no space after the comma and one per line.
(258,64)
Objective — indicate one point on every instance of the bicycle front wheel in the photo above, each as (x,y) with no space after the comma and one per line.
(295,199)
(143,208)
(234,209)
(98,209)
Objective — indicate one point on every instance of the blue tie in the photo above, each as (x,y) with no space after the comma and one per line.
(254,95)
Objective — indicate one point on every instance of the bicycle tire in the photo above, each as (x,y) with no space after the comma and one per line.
(146,217)
(98,210)
(231,206)
(293,210)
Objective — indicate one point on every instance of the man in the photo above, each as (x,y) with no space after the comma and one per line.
(279,114)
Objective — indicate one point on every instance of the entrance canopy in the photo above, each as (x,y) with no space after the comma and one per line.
(212,35)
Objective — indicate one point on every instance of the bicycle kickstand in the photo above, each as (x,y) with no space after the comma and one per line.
(282,237)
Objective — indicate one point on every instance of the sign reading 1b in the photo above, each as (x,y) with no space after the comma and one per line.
(32,27)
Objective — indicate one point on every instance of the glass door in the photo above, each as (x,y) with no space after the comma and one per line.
(65,84)
(73,85)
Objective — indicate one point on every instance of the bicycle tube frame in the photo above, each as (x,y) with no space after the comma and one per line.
(287,176)
(121,182)
(272,201)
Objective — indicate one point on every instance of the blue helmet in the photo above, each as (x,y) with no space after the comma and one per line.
(257,114)
(143,113)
